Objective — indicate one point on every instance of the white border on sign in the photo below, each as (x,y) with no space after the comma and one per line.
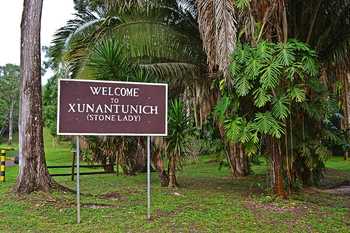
(111,134)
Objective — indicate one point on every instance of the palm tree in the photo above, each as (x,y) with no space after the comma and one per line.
(276,21)
(218,24)
(157,38)
(132,41)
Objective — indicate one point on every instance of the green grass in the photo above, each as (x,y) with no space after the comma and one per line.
(209,200)
(14,145)
(339,164)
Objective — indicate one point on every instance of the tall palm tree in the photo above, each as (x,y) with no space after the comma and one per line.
(218,24)
(132,40)
(327,32)
(277,20)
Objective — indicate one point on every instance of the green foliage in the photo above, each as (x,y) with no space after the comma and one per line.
(234,128)
(266,124)
(280,108)
(270,75)
(261,98)
(261,73)
(50,104)
(107,61)
(118,40)
(297,93)
(242,4)
(238,130)
(222,107)
(243,86)
(9,94)
(180,130)
(281,97)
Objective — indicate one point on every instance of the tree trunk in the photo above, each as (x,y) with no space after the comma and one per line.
(346,105)
(172,174)
(33,174)
(11,123)
(140,156)
(236,157)
(159,165)
(238,160)
(276,168)
(108,163)
(158,162)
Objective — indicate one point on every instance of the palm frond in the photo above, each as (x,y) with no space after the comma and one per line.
(265,123)
(297,93)
(261,97)
(242,85)
(285,54)
(234,128)
(222,107)
(270,75)
(280,108)
(62,38)
(168,71)
(217,25)
(108,62)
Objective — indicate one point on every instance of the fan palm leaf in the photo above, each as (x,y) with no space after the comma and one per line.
(154,44)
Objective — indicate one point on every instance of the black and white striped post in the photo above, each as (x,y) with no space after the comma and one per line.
(2,165)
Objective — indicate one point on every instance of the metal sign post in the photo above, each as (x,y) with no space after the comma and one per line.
(78,177)
(148,177)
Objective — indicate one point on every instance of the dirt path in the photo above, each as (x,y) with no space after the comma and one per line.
(342,190)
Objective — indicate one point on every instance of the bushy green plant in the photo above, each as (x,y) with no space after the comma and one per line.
(275,101)
(178,141)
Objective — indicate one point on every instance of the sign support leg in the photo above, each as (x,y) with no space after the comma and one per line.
(78,177)
(148,177)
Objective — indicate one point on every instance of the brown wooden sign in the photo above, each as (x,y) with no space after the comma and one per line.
(87,107)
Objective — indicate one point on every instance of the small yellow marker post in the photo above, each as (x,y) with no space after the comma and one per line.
(2,165)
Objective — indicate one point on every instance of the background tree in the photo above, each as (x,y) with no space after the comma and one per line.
(9,98)
(328,32)
(50,104)
(33,174)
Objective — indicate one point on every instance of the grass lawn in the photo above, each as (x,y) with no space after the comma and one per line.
(209,200)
